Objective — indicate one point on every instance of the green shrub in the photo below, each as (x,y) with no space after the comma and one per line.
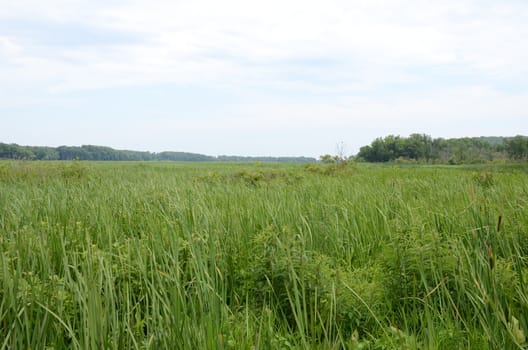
(345,167)
(415,265)
(310,291)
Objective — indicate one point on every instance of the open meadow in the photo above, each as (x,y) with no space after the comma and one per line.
(154,255)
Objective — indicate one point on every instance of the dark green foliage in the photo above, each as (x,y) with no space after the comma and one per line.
(391,147)
(517,147)
(423,148)
(310,291)
(90,152)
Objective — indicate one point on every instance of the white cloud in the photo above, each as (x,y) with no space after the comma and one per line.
(9,51)
(242,41)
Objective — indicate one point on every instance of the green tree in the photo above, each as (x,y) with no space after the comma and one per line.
(517,147)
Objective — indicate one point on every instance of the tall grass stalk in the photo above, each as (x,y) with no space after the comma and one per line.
(262,256)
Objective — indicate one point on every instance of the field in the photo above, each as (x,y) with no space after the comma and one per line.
(262,256)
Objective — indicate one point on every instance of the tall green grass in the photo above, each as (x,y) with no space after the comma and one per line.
(238,256)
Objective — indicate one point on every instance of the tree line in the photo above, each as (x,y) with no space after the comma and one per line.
(424,148)
(415,148)
(91,152)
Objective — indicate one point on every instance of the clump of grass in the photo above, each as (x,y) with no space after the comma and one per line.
(344,167)
(254,177)
(309,291)
(42,171)
(74,171)
(485,179)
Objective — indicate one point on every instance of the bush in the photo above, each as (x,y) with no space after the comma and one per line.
(310,291)
(345,167)
(414,264)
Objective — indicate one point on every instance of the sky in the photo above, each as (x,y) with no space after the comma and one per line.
(274,78)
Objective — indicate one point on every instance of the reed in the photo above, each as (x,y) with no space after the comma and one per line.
(262,256)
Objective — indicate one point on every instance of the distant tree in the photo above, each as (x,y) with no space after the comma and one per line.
(422,147)
(517,147)
(14,151)
(378,151)
(6,151)
(419,146)
(44,153)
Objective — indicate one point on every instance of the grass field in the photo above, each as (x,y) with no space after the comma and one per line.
(262,256)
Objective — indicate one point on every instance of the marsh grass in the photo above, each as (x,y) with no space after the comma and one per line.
(237,256)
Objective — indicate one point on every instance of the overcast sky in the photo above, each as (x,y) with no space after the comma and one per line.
(270,77)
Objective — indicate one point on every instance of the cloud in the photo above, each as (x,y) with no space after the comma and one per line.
(235,42)
(8,49)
